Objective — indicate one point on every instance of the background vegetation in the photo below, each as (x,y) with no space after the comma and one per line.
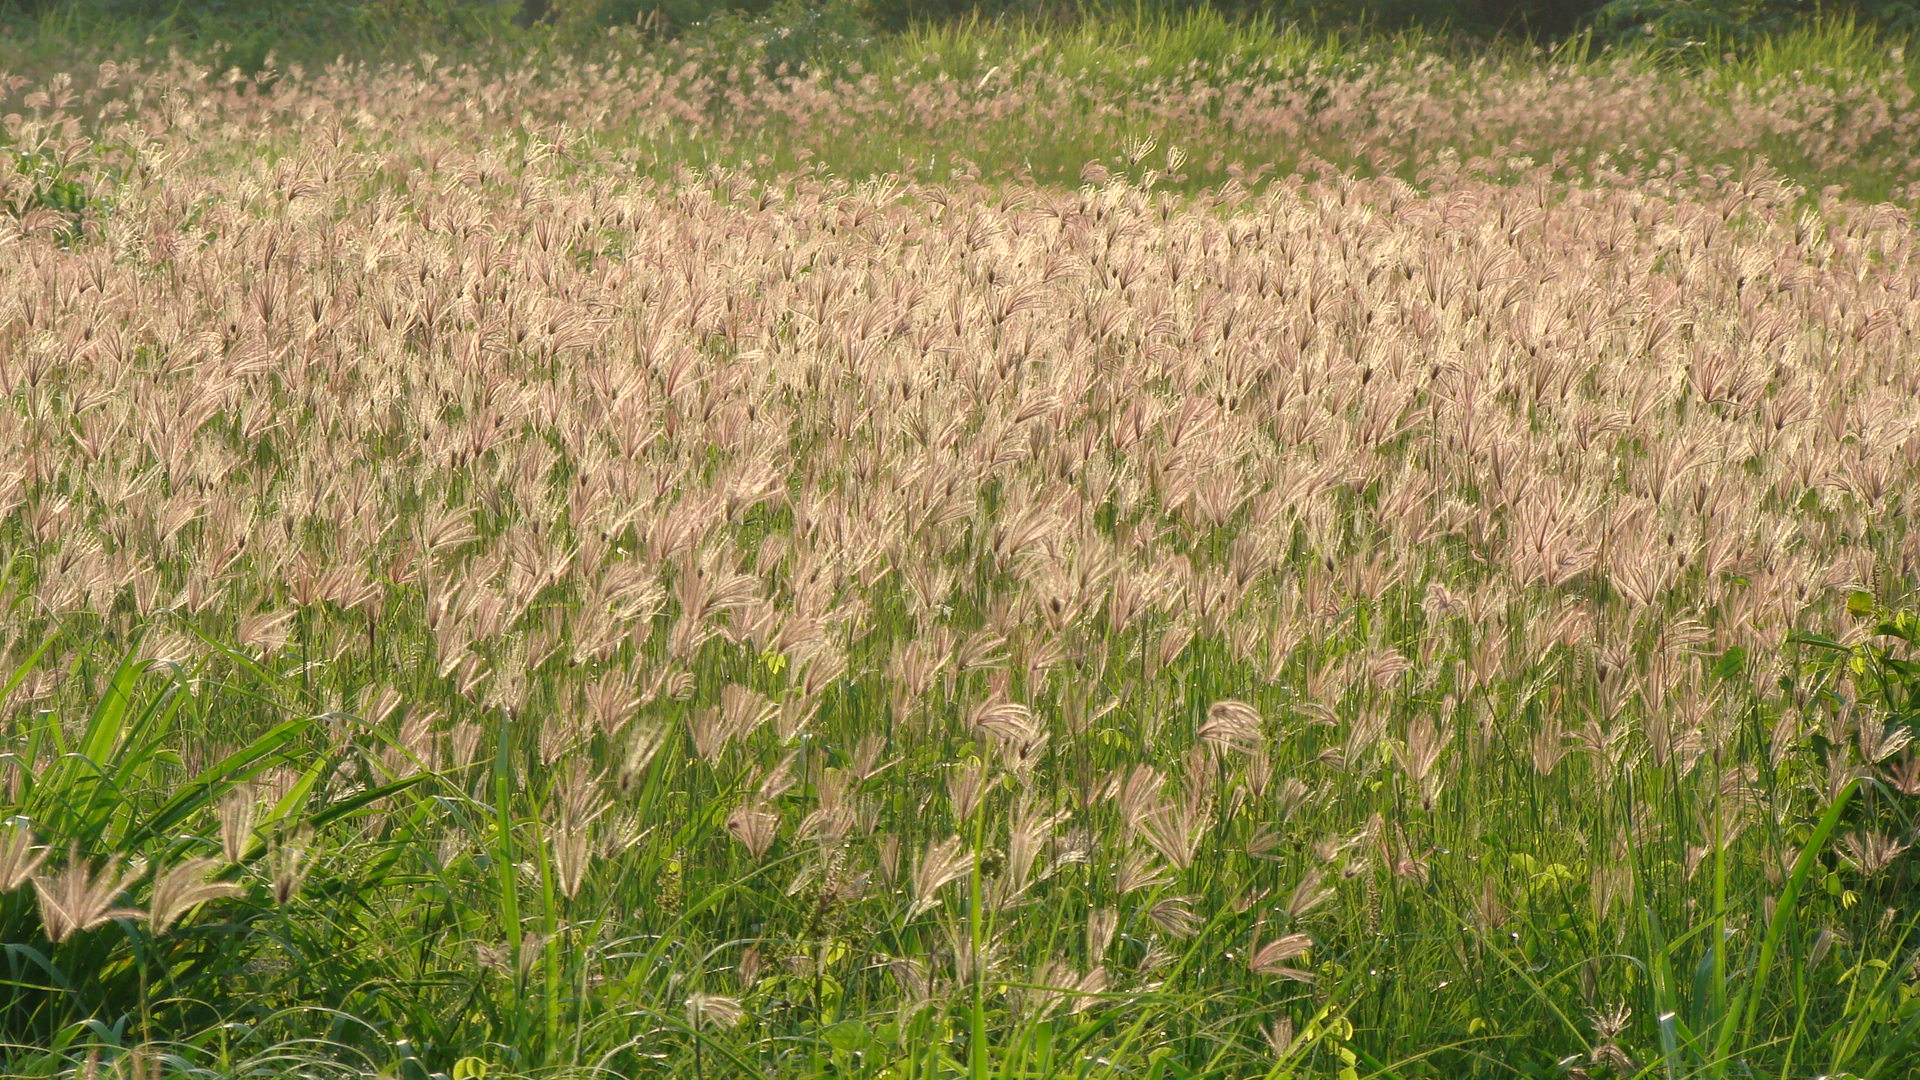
(1706,27)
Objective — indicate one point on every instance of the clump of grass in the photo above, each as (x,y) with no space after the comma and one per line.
(1125,49)
(144,861)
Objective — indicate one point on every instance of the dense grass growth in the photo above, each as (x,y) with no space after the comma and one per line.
(1830,104)
(1013,556)
(1680,25)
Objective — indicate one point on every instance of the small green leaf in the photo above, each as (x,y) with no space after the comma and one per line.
(1731,664)
(849,1035)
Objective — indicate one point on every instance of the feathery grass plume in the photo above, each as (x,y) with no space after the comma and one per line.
(756,825)
(1008,726)
(1278,1034)
(1174,916)
(1102,924)
(1420,753)
(709,1010)
(1307,895)
(1272,957)
(966,786)
(290,859)
(1054,984)
(183,887)
(20,857)
(944,862)
(80,898)
(1027,837)
(1232,725)
(266,631)
(575,805)
(642,744)
(911,979)
(1175,829)
(1138,871)
(1871,851)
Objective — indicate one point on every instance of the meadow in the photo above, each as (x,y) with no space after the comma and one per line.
(1110,556)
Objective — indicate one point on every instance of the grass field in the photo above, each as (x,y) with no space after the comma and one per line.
(1012,557)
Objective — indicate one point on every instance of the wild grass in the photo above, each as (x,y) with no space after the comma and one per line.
(1830,103)
(482,597)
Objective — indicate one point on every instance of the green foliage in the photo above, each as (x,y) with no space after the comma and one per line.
(52,176)
(246,35)
(38,182)
(1882,668)
(1671,26)
(797,32)
(366,924)
(1706,29)
(1138,47)
(138,798)
(786,36)
(1877,675)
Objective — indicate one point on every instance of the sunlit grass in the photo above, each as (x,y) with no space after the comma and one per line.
(1033,578)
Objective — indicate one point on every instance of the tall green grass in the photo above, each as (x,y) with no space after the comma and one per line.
(1119,62)
(1126,48)
(421,925)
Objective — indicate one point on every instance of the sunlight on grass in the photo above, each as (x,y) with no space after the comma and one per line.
(1199,551)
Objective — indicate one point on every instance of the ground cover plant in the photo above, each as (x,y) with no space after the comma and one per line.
(629,569)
